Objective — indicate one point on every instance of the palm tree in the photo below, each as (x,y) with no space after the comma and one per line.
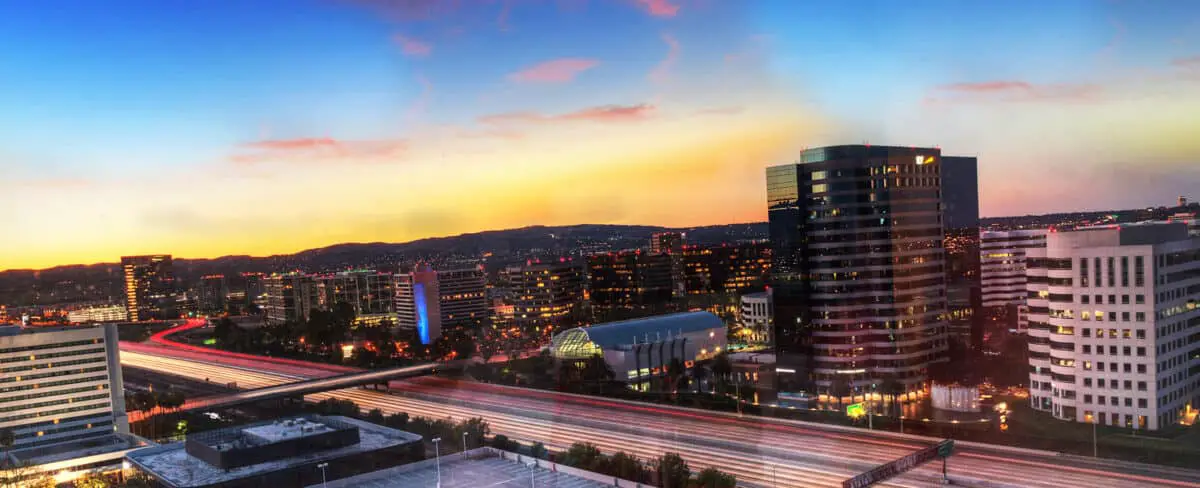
(892,389)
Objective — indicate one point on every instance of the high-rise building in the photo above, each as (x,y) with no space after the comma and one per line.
(369,292)
(858,276)
(463,298)
(1002,258)
(149,286)
(108,313)
(254,288)
(547,294)
(1111,311)
(61,385)
(211,293)
(290,297)
(731,268)
(669,242)
(960,219)
(629,284)
(418,304)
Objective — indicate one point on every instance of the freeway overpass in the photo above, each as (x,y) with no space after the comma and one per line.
(318,385)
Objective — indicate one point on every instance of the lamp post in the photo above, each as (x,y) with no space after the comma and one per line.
(532,472)
(1095,450)
(437,456)
(464,442)
(323,466)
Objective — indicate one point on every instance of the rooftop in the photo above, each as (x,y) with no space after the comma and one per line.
(54,453)
(473,469)
(173,464)
(613,334)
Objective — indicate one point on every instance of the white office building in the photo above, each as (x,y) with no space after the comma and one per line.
(1111,310)
(756,319)
(62,397)
(1002,264)
(110,313)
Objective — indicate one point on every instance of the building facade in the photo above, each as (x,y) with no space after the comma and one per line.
(463,298)
(629,284)
(1003,277)
(547,294)
(755,319)
(369,292)
(418,304)
(61,385)
(1112,317)
(960,220)
(290,297)
(211,294)
(111,313)
(149,286)
(858,274)
(672,244)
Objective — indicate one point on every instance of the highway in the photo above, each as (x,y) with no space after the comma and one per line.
(764,452)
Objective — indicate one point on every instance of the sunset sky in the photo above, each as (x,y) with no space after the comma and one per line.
(258,127)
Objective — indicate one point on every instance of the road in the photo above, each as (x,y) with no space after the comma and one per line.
(765,452)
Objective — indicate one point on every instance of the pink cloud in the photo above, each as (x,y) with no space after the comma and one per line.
(659,8)
(412,46)
(1188,62)
(1018,91)
(315,149)
(554,71)
(604,114)
(662,72)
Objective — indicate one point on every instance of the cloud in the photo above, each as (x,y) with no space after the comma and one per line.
(315,149)
(662,72)
(659,8)
(1013,91)
(604,113)
(409,10)
(721,111)
(421,103)
(412,46)
(64,183)
(1188,62)
(554,71)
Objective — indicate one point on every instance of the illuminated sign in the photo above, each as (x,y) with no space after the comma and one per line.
(422,314)
(923,160)
(856,410)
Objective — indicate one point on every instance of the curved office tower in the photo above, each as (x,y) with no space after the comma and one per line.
(858,278)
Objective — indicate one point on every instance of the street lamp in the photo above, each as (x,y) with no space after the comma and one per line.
(464,442)
(437,455)
(323,466)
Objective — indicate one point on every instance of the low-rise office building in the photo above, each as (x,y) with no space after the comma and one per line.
(291,452)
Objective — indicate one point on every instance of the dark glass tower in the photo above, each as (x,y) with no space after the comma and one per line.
(960,209)
(858,277)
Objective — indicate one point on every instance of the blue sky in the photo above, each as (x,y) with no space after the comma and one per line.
(357,112)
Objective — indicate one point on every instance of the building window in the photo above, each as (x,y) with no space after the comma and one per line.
(1126,351)
(1112,299)
(1141,351)
(1128,369)
(1114,401)
(1087,382)
(1139,271)
(1141,385)
(1124,299)
(1139,299)
(1141,368)
(1141,334)
(1087,365)
(1128,403)
(1083,274)
(1139,316)
(1087,332)
(1096,261)
(1112,275)
(1124,316)
(1085,299)
(1100,381)
(1125,272)
(1087,349)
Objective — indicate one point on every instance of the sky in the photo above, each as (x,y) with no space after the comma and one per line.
(259,127)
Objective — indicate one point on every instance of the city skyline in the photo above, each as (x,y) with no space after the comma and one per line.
(143,127)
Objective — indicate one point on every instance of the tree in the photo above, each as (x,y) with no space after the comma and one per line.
(584,455)
(673,471)
(674,375)
(892,389)
(224,332)
(699,374)
(627,467)
(538,450)
(397,420)
(839,388)
(714,478)
(722,368)
(503,443)
(90,480)
(375,416)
